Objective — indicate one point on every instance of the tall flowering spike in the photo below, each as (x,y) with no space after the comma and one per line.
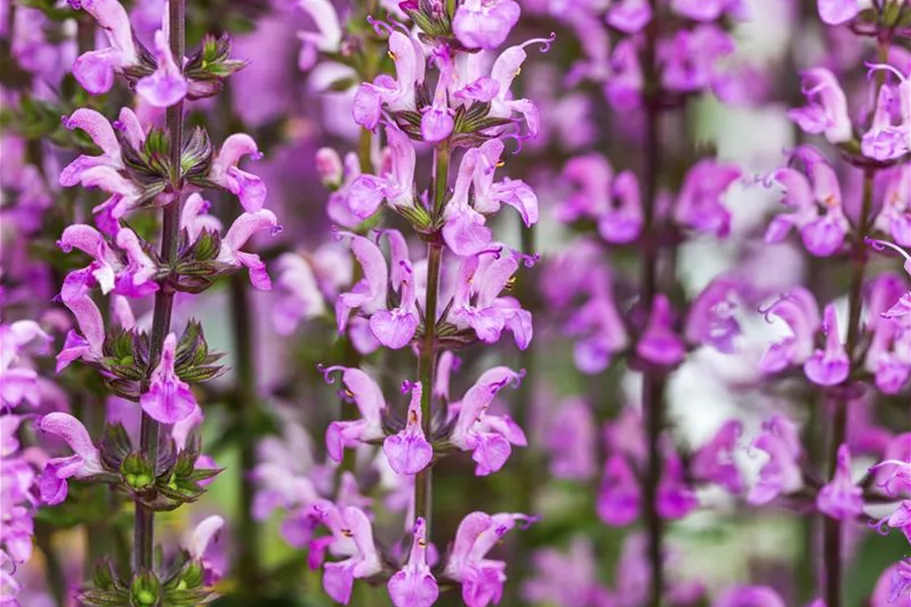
(408,451)
(166,85)
(84,463)
(826,111)
(169,399)
(830,366)
(619,494)
(414,585)
(840,498)
(714,462)
(249,188)
(781,473)
(659,344)
(799,311)
(370,402)
(485,24)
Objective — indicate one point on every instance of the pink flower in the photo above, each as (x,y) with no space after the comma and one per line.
(799,312)
(660,344)
(781,473)
(394,93)
(396,183)
(486,435)
(827,109)
(414,585)
(714,462)
(830,366)
(698,205)
(243,228)
(840,498)
(485,23)
(629,16)
(166,85)
(329,37)
(203,548)
(97,127)
(84,463)
(95,69)
(619,495)
(675,497)
(250,189)
(837,12)
(370,402)
(352,536)
(482,579)
(169,399)
(408,451)
(711,317)
(75,294)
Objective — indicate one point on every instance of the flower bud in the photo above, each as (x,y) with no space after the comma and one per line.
(137,472)
(145,591)
(329,167)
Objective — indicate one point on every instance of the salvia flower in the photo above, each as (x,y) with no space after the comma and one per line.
(84,463)
(166,85)
(690,58)
(675,497)
(395,185)
(487,436)
(87,344)
(781,473)
(660,344)
(711,318)
(485,24)
(352,535)
(840,498)
(619,494)
(203,548)
(327,39)
(823,233)
(169,400)
(831,365)
(629,16)
(837,12)
(714,462)
(224,172)
(826,111)
(414,584)
(408,451)
(18,382)
(895,217)
(482,579)
(370,402)
(799,311)
(570,438)
(889,135)
(698,205)
(243,228)
(95,70)
(392,93)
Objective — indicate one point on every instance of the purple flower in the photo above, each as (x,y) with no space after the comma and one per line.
(352,536)
(781,473)
(893,584)
(396,94)
(840,498)
(624,86)
(202,547)
(621,223)
(100,131)
(749,596)
(195,218)
(619,495)
(438,119)
(329,37)
(570,437)
(675,497)
(822,235)
(414,585)
(887,357)
(689,59)
(136,279)
(485,23)
(798,310)
(890,130)
(709,10)
(711,319)
(395,185)
(837,12)
(250,189)
(394,328)
(714,462)
(486,435)
(84,463)
(899,519)
(166,85)
(75,295)
(826,111)
(599,324)
(895,216)
(481,578)
(566,579)
(659,344)
(300,296)
(699,205)
(477,304)
(95,69)
(408,451)
(629,16)
(19,383)
(830,366)
(243,228)
(169,399)
(370,402)
(504,70)
(590,177)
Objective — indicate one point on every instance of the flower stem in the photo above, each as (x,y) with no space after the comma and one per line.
(143,527)
(833,557)
(653,384)
(423,490)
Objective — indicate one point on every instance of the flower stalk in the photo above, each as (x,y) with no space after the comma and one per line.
(143,528)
